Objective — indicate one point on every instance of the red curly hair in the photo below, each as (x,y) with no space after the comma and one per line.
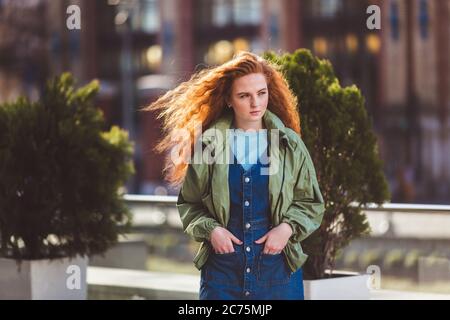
(203,99)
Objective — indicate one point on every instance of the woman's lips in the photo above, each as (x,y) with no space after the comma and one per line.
(254,113)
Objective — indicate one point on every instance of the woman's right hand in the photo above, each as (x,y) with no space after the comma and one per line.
(222,240)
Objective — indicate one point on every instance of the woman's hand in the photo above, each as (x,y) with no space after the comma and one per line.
(276,239)
(222,240)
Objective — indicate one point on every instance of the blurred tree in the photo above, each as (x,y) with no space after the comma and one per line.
(62,176)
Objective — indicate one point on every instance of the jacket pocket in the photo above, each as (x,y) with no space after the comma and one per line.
(272,270)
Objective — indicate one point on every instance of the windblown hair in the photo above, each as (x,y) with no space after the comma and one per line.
(202,99)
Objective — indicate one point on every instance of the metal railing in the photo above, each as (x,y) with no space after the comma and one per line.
(393,219)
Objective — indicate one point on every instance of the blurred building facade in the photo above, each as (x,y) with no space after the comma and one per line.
(141,48)
(414,97)
(22,49)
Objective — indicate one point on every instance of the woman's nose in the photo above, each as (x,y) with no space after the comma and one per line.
(254,101)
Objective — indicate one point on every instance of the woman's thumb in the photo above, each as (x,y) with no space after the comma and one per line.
(235,240)
(261,240)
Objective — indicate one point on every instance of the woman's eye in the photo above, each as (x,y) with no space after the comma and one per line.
(245,95)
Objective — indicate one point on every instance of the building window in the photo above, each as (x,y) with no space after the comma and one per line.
(423,19)
(394,19)
(247,12)
(221,12)
(147,18)
(239,12)
(144,15)
(325,8)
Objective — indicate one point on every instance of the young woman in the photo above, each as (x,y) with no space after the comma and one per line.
(251,211)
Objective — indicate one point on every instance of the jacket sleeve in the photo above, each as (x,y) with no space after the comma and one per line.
(305,213)
(196,219)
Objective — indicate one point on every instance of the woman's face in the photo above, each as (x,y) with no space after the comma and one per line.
(249,99)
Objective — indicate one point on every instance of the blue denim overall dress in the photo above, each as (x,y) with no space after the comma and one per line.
(247,273)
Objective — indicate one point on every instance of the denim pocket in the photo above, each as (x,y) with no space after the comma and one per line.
(272,270)
(223,268)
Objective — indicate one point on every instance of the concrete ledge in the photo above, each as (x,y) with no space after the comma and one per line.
(129,253)
(406,295)
(113,283)
(123,284)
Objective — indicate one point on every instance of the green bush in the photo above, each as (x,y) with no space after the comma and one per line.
(394,259)
(338,134)
(412,259)
(369,257)
(61,175)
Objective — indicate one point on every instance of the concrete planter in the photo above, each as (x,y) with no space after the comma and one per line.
(129,253)
(60,279)
(342,286)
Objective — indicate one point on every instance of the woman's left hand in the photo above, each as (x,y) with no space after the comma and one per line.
(276,239)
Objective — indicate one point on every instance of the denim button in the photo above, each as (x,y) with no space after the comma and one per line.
(247,225)
(247,293)
(248,249)
(247,179)
(246,203)
(248,270)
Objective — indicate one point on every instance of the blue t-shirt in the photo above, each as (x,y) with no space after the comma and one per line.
(248,146)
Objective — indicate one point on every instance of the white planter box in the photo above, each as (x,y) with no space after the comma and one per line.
(343,286)
(60,279)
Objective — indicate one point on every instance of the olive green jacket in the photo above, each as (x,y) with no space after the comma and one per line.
(294,194)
